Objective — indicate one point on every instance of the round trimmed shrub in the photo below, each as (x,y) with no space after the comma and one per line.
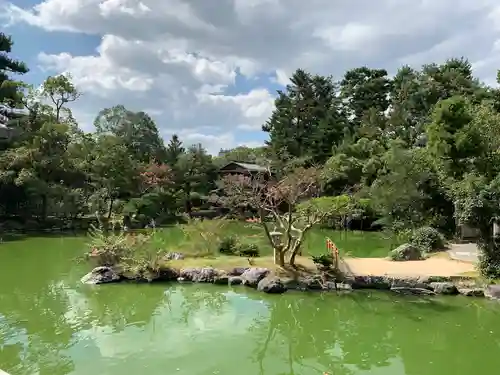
(406,252)
(428,239)
(228,246)
(249,250)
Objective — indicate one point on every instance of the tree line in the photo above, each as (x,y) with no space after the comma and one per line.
(422,147)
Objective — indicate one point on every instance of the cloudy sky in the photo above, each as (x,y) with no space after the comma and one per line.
(208,69)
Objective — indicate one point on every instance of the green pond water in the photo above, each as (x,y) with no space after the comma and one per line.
(51,324)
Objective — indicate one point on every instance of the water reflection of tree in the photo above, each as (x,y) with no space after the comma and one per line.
(121,305)
(338,333)
(34,320)
(199,297)
(364,331)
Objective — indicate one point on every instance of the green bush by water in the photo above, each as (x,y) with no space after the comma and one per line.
(428,239)
(231,246)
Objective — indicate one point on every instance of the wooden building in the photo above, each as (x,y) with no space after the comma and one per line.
(247,169)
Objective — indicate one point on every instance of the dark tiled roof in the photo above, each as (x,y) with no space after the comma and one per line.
(249,166)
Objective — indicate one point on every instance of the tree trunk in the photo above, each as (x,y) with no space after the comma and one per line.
(110,209)
(292,258)
(279,257)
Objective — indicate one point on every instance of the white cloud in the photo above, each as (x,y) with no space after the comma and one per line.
(184,59)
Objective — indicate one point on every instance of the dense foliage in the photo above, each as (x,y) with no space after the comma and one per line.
(418,149)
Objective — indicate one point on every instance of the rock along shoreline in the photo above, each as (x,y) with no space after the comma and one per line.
(263,280)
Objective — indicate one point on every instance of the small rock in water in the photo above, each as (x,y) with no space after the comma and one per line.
(444,288)
(471,292)
(252,276)
(237,271)
(271,285)
(493,291)
(235,280)
(101,275)
(199,275)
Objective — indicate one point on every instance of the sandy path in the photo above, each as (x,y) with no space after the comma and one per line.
(434,266)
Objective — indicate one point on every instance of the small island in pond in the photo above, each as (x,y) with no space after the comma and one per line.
(406,164)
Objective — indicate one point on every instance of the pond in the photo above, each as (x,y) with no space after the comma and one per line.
(50,324)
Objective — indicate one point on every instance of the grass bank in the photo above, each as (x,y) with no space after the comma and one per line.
(350,243)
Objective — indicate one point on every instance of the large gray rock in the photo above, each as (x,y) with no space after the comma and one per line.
(235,280)
(168,274)
(471,292)
(408,282)
(314,282)
(446,288)
(222,280)
(371,282)
(271,285)
(492,291)
(252,276)
(237,271)
(413,291)
(337,287)
(101,275)
(406,252)
(199,275)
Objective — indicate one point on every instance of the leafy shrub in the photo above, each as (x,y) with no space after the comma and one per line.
(427,239)
(324,260)
(228,246)
(406,252)
(489,258)
(134,254)
(203,235)
(249,250)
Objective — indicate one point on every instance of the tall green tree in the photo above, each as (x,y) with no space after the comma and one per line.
(137,130)
(10,93)
(307,121)
(198,175)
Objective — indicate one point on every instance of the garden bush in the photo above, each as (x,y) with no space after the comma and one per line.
(323,260)
(405,252)
(228,246)
(427,239)
(231,246)
(249,250)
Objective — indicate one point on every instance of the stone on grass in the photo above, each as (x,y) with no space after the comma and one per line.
(253,275)
(272,285)
(492,291)
(173,256)
(406,252)
(446,288)
(101,275)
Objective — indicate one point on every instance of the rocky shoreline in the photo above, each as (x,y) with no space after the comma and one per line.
(263,280)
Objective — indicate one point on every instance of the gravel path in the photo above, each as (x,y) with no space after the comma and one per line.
(465,252)
(434,266)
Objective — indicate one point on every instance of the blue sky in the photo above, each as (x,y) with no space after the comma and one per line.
(210,73)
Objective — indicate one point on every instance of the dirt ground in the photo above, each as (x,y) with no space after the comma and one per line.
(437,265)
(434,266)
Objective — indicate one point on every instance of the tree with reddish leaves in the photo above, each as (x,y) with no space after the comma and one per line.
(155,176)
(276,203)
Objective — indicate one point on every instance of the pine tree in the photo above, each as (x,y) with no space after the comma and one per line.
(9,88)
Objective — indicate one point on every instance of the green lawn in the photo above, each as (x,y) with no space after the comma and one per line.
(350,243)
